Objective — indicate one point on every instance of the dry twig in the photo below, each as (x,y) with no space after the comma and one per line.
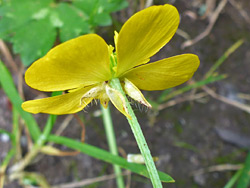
(244,96)
(145,3)
(210,26)
(217,168)
(89,181)
(149,3)
(64,124)
(182,99)
(226,100)
(124,155)
(18,71)
(183,34)
(242,12)
(83,127)
(6,53)
(210,5)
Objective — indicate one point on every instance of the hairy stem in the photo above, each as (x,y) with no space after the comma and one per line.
(136,129)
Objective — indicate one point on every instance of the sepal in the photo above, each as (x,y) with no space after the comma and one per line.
(132,91)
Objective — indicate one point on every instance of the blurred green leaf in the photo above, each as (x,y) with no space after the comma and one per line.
(27,40)
(95,12)
(16,13)
(87,6)
(98,11)
(102,19)
(114,5)
(244,179)
(25,24)
(74,22)
(32,25)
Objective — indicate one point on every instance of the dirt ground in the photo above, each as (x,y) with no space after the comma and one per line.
(184,136)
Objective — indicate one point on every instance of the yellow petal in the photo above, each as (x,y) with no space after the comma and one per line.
(63,104)
(165,73)
(135,93)
(76,63)
(118,100)
(144,34)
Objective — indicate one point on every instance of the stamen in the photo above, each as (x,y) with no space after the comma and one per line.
(82,101)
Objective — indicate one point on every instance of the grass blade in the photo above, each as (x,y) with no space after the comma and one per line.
(10,90)
(192,86)
(106,156)
(233,180)
(244,180)
(229,51)
(110,134)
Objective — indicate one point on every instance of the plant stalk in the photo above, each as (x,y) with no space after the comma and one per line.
(110,134)
(136,129)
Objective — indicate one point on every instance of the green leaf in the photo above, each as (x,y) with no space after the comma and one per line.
(16,14)
(87,6)
(102,19)
(10,90)
(49,124)
(106,156)
(244,180)
(99,11)
(55,20)
(34,40)
(114,5)
(31,25)
(233,179)
(74,21)
(26,24)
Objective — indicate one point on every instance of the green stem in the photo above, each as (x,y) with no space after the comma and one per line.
(46,131)
(36,147)
(229,51)
(4,165)
(136,129)
(16,134)
(14,148)
(112,144)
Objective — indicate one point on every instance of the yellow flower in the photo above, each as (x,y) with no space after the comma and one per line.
(85,65)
